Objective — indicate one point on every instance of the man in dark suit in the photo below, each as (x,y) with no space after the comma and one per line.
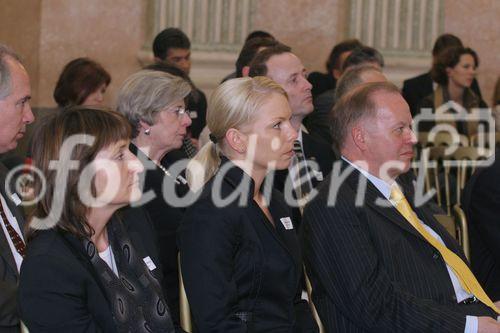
(481,203)
(377,260)
(15,114)
(418,87)
(173,46)
(313,158)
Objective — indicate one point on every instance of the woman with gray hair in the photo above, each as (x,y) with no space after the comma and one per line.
(153,103)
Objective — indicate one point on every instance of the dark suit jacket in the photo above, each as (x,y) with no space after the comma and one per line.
(316,151)
(318,122)
(166,220)
(60,290)
(242,274)
(416,88)
(321,82)
(481,203)
(199,105)
(9,317)
(371,271)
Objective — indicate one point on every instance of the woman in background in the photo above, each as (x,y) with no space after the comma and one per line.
(82,82)
(240,259)
(86,271)
(453,71)
(153,103)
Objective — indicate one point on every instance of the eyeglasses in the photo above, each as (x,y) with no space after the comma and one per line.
(180,112)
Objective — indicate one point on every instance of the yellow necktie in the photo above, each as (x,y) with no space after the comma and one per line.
(467,279)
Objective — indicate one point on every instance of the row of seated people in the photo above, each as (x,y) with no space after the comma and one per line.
(241,259)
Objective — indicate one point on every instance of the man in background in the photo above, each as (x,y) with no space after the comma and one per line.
(15,114)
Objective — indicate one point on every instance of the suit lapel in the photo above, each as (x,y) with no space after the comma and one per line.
(378,203)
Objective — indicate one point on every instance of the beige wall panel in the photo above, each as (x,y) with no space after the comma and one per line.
(20,29)
(109,31)
(310,27)
(477,24)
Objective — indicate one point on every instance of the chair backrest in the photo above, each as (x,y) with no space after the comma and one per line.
(185,311)
(447,170)
(311,304)
(482,140)
(461,221)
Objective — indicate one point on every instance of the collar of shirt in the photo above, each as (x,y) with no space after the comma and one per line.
(380,184)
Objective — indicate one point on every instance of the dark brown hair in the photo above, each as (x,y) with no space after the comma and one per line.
(449,58)
(347,45)
(106,127)
(258,65)
(79,78)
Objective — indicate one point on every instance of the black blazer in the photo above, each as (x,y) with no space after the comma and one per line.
(417,88)
(481,203)
(9,317)
(166,220)
(60,290)
(318,122)
(314,150)
(371,271)
(242,274)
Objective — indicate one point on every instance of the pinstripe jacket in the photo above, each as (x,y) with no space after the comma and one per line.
(371,271)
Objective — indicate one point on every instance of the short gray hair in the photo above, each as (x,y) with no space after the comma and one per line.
(145,93)
(351,78)
(5,84)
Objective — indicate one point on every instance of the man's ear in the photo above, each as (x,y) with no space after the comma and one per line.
(245,70)
(358,135)
(158,59)
(237,140)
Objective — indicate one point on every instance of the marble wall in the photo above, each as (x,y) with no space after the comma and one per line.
(49,33)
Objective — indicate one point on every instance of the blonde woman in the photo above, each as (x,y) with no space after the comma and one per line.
(240,257)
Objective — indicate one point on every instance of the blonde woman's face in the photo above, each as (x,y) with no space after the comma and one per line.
(273,135)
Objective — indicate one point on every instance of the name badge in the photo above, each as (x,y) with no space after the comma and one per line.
(15,198)
(287,223)
(318,175)
(182,179)
(193,114)
(151,265)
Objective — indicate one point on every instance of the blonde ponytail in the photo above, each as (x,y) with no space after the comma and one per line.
(234,104)
(203,166)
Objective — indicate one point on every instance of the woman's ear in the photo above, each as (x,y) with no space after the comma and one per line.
(237,140)
(144,127)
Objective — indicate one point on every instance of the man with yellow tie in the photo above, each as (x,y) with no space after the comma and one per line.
(377,261)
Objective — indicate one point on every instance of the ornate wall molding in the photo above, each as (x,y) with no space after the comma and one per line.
(212,25)
(398,28)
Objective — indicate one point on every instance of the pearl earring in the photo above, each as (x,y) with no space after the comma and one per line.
(147,131)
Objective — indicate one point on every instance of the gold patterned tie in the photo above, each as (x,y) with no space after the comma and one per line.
(467,279)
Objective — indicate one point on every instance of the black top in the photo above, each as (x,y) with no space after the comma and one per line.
(61,291)
(418,87)
(321,82)
(166,219)
(241,273)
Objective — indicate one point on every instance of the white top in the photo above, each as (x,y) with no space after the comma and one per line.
(109,258)
(12,220)
(385,188)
